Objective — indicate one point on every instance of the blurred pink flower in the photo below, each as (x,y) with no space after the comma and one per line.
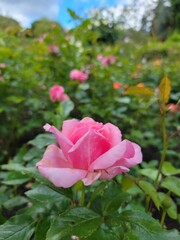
(173,108)
(57,94)
(2,65)
(41,39)
(106,61)
(87,150)
(77,75)
(54,49)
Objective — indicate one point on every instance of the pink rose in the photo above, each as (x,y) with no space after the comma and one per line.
(57,94)
(54,49)
(78,75)
(87,150)
(106,61)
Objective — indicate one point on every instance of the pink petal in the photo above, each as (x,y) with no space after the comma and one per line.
(112,133)
(62,177)
(132,156)
(112,172)
(88,149)
(91,178)
(62,140)
(109,158)
(53,157)
(68,126)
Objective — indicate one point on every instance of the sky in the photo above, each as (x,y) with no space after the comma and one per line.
(27,11)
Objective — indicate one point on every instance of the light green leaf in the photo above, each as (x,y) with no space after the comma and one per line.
(150,173)
(168,204)
(67,106)
(42,140)
(17,228)
(151,192)
(15,201)
(169,169)
(15,99)
(172,184)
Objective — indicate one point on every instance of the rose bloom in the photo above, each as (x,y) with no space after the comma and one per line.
(77,75)
(87,150)
(54,49)
(106,61)
(116,85)
(57,94)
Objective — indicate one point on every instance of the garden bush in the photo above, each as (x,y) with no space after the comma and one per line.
(63,75)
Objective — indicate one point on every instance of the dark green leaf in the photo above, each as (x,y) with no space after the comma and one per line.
(42,228)
(112,199)
(44,194)
(17,228)
(82,225)
(140,226)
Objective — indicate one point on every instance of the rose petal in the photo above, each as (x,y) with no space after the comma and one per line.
(53,157)
(131,157)
(91,178)
(62,140)
(112,133)
(112,172)
(87,149)
(68,126)
(62,177)
(109,158)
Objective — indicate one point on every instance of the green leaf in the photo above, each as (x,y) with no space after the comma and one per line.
(140,226)
(149,172)
(81,225)
(169,169)
(15,201)
(172,184)
(17,228)
(33,173)
(44,194)
(67,106)
(151,192)
(15,99)
(42,140)
(168,205)
(165,89)
(42,228)
(113,198)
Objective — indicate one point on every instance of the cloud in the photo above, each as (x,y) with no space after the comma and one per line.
(25,12)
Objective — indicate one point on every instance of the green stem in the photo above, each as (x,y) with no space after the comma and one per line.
(81,203)
(163,218)
(163,156)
